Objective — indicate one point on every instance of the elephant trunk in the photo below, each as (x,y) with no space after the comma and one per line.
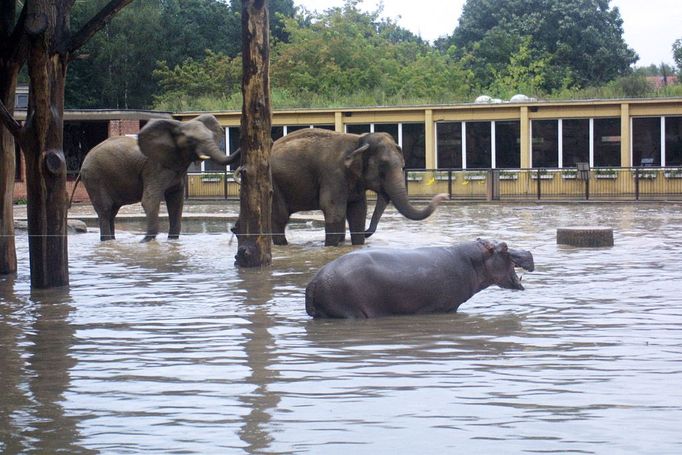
(382,202)
(397,192)
(216,155)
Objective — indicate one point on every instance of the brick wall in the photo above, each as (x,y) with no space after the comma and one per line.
(123,127)
(80,196)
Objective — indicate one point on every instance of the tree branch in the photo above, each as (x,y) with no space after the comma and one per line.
(95,24)
(8,120)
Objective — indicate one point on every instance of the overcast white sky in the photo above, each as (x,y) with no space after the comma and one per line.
(650,26)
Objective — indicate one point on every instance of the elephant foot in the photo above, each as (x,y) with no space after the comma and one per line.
(173,236)
(104,238)
(357,239)
(147,238)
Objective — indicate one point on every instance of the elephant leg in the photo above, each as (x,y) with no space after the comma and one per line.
(335,231)
(278,227)
(334,208)
(150,204)
(279,219)
(175,201)
(105,219)
(356,214)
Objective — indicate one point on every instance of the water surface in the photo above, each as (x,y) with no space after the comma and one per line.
(166,347)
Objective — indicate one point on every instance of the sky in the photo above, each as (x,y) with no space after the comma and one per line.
(650,26)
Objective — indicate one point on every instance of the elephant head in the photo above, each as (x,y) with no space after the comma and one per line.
(378,162)
(175,145)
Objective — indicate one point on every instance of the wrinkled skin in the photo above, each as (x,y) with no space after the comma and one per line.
(380,282)
(315,169)
(125,170)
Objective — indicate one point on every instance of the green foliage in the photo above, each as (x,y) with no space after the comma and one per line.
(216,75)
(677,54)
(341,57)
(347,57)
(116,68)
(582,38)
(631,86)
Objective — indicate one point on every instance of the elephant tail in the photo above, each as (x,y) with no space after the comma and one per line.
(73,191)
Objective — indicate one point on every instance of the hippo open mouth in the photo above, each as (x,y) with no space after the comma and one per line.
(523,260)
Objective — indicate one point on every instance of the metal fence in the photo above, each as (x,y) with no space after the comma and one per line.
(641,183)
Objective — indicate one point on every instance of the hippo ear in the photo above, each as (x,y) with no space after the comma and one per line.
(502,247)
(487,244)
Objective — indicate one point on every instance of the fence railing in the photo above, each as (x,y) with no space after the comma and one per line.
(637,183)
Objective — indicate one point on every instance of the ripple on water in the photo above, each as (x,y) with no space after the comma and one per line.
(168,347)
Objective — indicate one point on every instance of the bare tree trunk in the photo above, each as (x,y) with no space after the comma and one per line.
(43,38)
(254,226)
(46,169)
(8,255)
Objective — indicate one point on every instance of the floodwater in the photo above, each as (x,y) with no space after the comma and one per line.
(166,347)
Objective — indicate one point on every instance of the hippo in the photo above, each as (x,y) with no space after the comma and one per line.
(379,282)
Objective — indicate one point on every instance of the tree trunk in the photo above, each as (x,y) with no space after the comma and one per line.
(43,38)
(254,226)
(8,255)
(45,163)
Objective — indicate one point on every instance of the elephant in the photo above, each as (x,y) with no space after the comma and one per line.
(124,170)
(380,282)
(318,169)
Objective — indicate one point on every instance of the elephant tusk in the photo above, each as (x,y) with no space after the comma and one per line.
(204,157)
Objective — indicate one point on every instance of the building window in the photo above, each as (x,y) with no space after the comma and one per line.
(673,141)
(507,145)
(21,101)
(545,143)
(607,142)
(276,132)
(575,140)
(390,128)
(324,127)
(292,128)
(646,141)
(478,145)
(358,129)
(414,145)
(449,144)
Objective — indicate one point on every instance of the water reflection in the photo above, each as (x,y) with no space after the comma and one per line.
(166,347)
(33,418)
(260,358)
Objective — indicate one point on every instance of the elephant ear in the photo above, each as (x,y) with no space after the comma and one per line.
(157,141)
(212,124)
(353,160)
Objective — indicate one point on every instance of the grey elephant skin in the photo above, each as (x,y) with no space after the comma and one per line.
(317,169)
(380,282)
(125,170)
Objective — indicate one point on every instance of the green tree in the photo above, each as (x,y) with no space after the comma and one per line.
(344,52)
(677,54)
(216,75)
(116,69)
(581,40)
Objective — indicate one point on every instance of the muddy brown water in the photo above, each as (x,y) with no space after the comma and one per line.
(166,347)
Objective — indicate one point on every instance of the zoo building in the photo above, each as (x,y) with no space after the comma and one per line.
(522,149)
